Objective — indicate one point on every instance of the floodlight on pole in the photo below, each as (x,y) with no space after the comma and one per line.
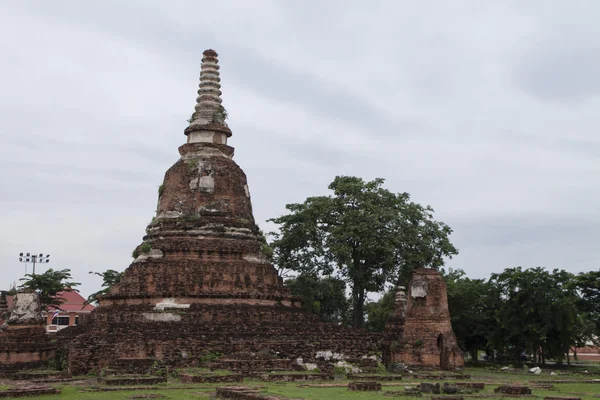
(33,258)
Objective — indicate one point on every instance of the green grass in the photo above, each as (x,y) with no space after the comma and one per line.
(176,390)
(71,393)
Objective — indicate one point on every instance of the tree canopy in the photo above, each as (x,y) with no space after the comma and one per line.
(364,234)
(48,285)
(325,297)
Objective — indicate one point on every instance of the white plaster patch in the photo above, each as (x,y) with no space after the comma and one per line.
(348,367)
(193,183)
(170,214)
(246,190)
(26,308)
(206,184)
(170,303)
(161,317)
(200,136)
(311,366)
(154,253)
(418,289)
(328,355)
(255,258)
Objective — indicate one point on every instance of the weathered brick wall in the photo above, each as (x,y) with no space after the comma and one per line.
(23,347)
(421,335)
(278,331)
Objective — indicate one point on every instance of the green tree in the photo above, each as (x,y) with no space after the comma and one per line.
(471,303)
(109,278)
(538,313)
(325,297)
(364,233)
(379,311)
(588,286)
(48,285)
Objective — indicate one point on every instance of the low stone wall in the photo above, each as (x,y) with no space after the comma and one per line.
(243,393)
(35,375)
(294,377)
(210,378)
(470,385)
(13,393)
(440,377)
(132,380)
(364,386)
(518,390)
(375,377)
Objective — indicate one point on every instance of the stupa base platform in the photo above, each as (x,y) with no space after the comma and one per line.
(237,337)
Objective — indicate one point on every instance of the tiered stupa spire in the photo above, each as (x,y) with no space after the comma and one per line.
(201,282)
(209,115)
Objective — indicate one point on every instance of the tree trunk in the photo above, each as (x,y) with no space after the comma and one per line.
(474,354)
(358,296)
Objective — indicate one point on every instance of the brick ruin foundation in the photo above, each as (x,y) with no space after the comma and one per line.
(200,283)
(419,333)
(23,340)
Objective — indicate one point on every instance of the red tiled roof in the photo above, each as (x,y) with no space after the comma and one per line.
(73,302)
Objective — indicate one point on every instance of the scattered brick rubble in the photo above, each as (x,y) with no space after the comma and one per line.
(209,378)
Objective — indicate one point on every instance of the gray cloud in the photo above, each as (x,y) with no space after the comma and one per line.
(489,114)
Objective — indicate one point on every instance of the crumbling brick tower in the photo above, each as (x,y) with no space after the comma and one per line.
(23,340)
(200,283)
(419,333)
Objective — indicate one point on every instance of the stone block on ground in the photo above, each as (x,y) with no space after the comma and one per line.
(449,388)
(364,386)
(426,387)
(513,390)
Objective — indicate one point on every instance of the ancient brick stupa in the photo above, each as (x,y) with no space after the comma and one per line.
(200,283)
(419,333)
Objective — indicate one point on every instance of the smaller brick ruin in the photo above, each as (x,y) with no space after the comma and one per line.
(419,333)
(23,340)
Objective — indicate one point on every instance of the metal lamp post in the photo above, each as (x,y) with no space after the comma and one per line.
(33,258)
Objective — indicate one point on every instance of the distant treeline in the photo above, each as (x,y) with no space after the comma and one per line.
(520,314)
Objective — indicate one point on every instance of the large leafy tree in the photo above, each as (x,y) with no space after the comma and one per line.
(379,311)
(48,285)
(325,297)
(364,234)
(538,313)
(471,303)
(588,286)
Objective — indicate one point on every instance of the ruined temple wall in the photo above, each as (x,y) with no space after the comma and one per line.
(425,338)
(180,337)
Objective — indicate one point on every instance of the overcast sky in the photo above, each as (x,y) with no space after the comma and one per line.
(487,111)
